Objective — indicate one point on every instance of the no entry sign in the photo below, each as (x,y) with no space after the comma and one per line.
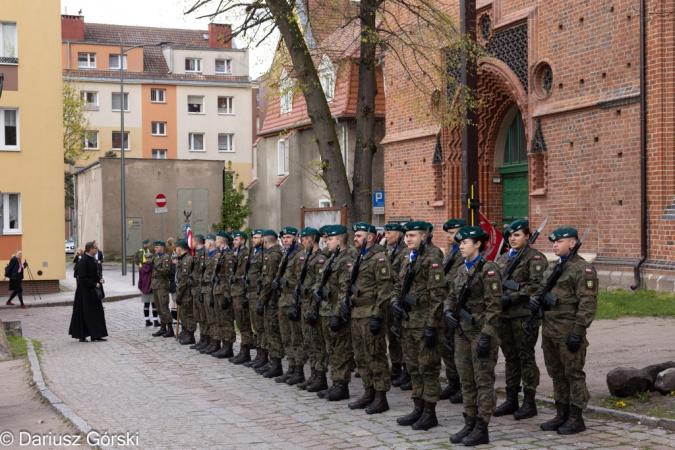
(160,200)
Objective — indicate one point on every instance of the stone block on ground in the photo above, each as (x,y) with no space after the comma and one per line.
(655,369)
(665,381)
(626,381)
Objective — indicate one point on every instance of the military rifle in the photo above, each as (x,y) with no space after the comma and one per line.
(515,261)
(460,311)
(322,293)
(215,279)
(294,311)
(546,295)
(244,277)
(451,261)
(232,278)
(280,282)
(353,290)
(259,307)
(393,251)
(200,295)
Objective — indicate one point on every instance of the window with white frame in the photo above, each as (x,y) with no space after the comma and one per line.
(285,93)
(281,157)
(159,128)
(225,105)
(195,104)
(196,142)
(91,97)
(8,40)
(115,62)
(116,102)
(86,60)
(10,213)
(116,140)
(225,142)
(327,78)
(9,129)
(158,95)
(159,154)
(91,140)
(193,65)
(223,66)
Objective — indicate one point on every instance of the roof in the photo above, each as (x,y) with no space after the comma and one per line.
(101,32)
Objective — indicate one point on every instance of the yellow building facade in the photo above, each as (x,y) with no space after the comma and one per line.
(31,153)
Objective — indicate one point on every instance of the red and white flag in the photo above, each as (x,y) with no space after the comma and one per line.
(189,238)
(492,251)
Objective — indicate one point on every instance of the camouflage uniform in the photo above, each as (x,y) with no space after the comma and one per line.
(396,257)
(197,306)
(273,257)
(518,347)
(160,287)
(224,317)
(447,353)
(208,311)
(477,375)
(428,287)
(291,332)
(576,290)
(374,282)
(241,315)
(183,273)
(254,274)
(313,336)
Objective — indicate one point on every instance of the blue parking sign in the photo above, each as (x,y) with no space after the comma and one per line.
(378,199)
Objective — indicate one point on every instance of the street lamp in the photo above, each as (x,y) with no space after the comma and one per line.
(124,215)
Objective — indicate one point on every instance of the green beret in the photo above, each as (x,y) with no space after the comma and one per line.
(335,230)
(224,234)
(393,227)
(146,241)
(239,233)
(517,225)
(563,232)
(182,244)
(364,226)
(453,224)
(200,236)
(309,231)
(159,243)
(322,230)
(417,225)
(289,230)
(210,236)
(259,231)
(472,232)
(270,233)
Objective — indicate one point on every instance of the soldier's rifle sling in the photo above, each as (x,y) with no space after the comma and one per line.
(460,312)
(405,288)
(324,279)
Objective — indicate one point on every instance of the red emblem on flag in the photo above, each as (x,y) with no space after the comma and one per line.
(491,273)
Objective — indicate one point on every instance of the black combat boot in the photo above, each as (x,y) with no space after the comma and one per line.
(479,434)
(379,405)
(298,375)
(224,352)
(428,419)
(322,394)
(341,392)
(528,408)
(469,423)
(160,332)
(406,386)
(312,376)
(562,414)
(156,323)
(214,346)
(414,416)
(450,390)
(243,357)
(187,339)
(148,323)
(404,377)
(510,405)
(275,369)
(285,376)
(204,341)
(365,400)
(259,355)
(264,359)
(575,424)
(457,399)
(319,384)
(169,331)
(262,369)
(395,371)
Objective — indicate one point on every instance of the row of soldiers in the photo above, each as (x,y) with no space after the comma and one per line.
(345,306)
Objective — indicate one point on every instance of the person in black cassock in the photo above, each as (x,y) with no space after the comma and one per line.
(88,317)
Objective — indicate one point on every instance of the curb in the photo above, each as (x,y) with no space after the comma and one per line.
(114,298)
(56,403)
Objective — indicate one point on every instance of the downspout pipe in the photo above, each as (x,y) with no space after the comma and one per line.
(643,146)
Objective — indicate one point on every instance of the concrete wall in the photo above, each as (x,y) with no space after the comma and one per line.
(145,178)
(176,58)
(89,192)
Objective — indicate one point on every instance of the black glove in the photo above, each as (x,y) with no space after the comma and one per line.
(244,302)
(275,285)
(212,300)
(534,304)
(375,325)
(483,346)
(398,311)
(179,300)
(225,303)
(259,309)
(573,342)
(316,295)
(450,319)
(312,319)
(293,313)
(344,309)
(430,338)
(506,301)
(200,297)
(335,324)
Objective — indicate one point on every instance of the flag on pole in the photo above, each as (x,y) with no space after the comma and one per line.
(189,238)
(494,243)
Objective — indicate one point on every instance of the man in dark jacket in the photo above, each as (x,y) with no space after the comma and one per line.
(88,318)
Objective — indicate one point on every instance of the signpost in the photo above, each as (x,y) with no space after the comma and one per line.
(161,208)
(378,202)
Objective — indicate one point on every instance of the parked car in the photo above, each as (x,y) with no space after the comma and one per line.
(70,246)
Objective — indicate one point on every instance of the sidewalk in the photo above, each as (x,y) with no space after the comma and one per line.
(117,287)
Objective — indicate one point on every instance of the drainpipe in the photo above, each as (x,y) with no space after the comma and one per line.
(643,146)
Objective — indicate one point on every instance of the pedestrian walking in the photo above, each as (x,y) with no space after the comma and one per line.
(14,271)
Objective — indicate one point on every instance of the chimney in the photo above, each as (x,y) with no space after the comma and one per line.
(72,28)
(220,35)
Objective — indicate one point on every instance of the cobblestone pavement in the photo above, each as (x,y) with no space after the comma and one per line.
(177,398)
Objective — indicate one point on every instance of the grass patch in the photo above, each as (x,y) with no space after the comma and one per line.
(645,403)
(622,404)
(37,346)
(663,413)
(18,346)
(621,303)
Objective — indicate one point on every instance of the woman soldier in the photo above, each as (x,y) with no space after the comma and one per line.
(478,288)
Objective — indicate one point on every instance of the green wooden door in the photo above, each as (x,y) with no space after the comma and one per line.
(515,192)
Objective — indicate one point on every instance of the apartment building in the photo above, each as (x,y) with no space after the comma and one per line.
(31,153)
